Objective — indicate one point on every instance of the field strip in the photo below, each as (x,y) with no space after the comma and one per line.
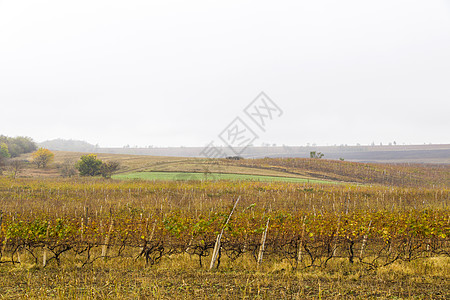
(168,176)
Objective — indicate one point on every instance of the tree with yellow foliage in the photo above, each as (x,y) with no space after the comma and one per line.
(42,157)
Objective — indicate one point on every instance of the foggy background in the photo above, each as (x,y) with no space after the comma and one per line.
(171,73)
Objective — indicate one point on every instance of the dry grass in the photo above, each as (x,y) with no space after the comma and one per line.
(179,277)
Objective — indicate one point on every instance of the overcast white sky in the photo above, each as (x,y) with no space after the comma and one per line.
(172,73)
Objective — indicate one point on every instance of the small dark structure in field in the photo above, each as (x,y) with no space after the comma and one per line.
(234,157)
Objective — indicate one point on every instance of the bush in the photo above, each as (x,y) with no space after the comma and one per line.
(314,154)
(4,155)
(15,167)
(108,168)
(89,165)
(67,169)
(4,151)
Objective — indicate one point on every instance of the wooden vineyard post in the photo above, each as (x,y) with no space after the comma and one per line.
(4,247)
(144,235)
(153,231)
(150,238)
(86,213)
(82,229)
(44,255)
(84,222)
(364,241)
(190,244)
(263,241)
(215,251)
(300,247)
(334,242)
(6,239)
(105,246)
(336,238)
(219,236)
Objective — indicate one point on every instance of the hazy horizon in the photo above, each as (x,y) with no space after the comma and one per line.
(261,144)
(177,73)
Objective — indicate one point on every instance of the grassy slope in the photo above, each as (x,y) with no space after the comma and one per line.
(212,176)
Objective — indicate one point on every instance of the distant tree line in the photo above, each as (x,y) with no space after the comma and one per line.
(17,145)
(10,149)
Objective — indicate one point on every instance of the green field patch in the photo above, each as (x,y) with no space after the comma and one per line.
(168,176)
